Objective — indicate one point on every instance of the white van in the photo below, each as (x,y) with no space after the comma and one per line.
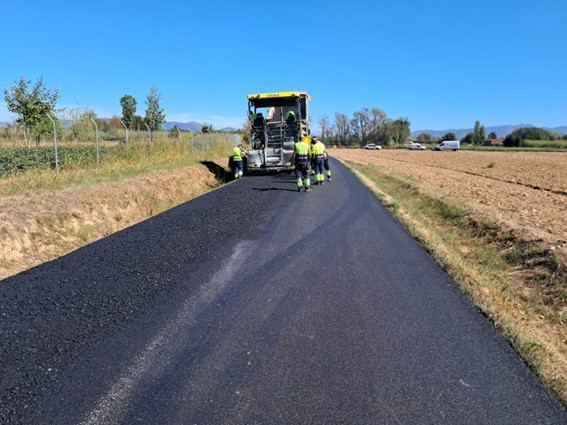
(448,145)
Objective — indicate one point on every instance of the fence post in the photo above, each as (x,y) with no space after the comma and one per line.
(149,136)
(125,128)
(96,139)
(55,143)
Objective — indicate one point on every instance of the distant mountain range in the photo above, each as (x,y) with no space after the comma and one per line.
(500,130)
(187,126)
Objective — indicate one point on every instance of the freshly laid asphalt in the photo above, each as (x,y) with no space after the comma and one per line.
(258,304)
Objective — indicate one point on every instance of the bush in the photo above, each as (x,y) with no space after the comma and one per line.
(516,138)
(14,160)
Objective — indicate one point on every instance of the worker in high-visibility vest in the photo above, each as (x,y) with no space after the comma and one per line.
(301,155)
(238,163)
(318,151)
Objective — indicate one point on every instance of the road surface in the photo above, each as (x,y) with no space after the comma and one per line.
(258,304)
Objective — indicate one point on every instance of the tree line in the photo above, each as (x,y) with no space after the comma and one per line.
(367,125)
(479,137)
(33,104)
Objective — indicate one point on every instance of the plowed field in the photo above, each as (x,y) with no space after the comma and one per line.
(526,191)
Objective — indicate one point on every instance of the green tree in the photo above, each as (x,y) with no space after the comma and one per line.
(31,107)
(424,138)
(128,104)
(468,139)
(155,116)
(400,130)
(449,136)
(493,135)
(479,133)
(138,123)
(527,133)
(207,128)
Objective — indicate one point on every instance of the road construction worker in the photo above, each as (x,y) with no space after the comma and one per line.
(290,118)
(238,163)
(318,152)
(301,155)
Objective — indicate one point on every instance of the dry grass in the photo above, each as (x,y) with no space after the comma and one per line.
(136,159)
(43,225)
(520,285)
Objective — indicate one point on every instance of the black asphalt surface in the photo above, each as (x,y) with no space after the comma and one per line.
(258,304)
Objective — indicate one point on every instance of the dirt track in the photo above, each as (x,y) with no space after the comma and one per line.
(526,191)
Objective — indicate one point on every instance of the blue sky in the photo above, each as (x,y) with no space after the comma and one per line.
(442,64)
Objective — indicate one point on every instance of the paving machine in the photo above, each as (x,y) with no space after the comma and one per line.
(277,121)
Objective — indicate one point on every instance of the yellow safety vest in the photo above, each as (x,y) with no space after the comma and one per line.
(236,154)
(318,150)
(301,150)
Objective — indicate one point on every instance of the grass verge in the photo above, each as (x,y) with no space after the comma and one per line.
(119,162)
(519,285)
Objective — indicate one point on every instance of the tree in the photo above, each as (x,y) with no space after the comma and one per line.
(479,133)
(379,123)
(342,127)
(128,104)
(468,139)
(81,125)
(527,133)
(400,130)
(424,138)
(207,128)
(493,135)
(449,136)
(325,126)
(155,116)
(31,107)
(138,123)
(361,124)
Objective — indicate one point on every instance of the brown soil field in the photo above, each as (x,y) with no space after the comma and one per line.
(40,226)
(525,191)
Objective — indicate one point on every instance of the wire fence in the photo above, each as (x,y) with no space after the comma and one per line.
(176,147)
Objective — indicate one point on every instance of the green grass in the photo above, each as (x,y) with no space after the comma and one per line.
(33,169)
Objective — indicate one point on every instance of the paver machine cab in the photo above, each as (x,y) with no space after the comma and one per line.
(277,121)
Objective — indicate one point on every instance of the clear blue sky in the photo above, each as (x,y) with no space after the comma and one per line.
(442,64)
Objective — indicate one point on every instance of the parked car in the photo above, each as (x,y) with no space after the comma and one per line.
(373,146)
(448,145)
(417,147)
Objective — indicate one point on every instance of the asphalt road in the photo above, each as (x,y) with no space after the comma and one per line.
(258,304)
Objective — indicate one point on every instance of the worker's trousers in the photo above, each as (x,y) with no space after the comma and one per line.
(302,173)
(238,169)
(327,168)
(318,166)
